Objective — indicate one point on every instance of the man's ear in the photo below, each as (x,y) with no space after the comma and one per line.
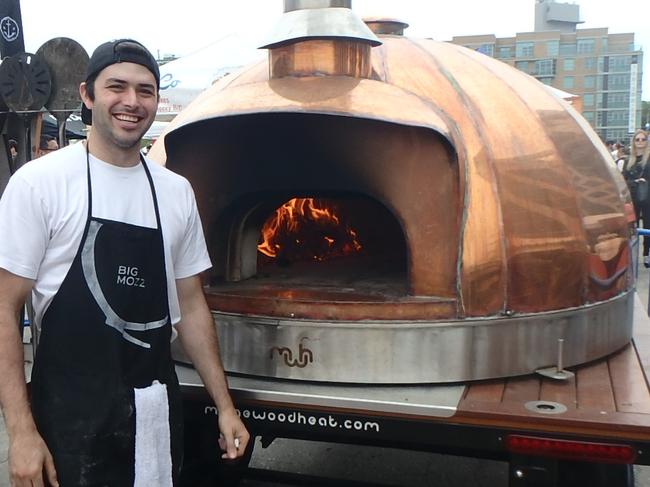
(83,92)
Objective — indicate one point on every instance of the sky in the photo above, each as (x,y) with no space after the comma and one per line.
(182,26)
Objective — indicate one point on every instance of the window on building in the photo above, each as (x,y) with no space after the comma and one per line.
(604,44)
(614,134)
(617,117)
(589,82)
(568,82)
(569,64)
(545,67)
(588,100)
(547,80)
(589,116)
(618,100)
(522,66)
(585,46)
(619,81)
(552,48)
(618,64)
(487,49)
(568,49)
(590,63)
(505,52)
(525,49)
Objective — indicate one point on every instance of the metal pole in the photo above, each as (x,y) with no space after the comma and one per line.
(646,234)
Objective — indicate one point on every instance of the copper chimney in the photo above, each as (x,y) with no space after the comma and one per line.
(320,37)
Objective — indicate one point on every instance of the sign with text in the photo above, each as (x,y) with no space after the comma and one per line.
(634,90)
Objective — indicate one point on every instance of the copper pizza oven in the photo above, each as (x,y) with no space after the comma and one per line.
(381,209)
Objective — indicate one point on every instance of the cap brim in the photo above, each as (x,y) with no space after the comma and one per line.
(86,115)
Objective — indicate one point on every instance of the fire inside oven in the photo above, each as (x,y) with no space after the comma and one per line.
(349,247)
(324,217)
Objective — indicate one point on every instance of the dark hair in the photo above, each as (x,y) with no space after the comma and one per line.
(90,86)
(12,144)
(45,139)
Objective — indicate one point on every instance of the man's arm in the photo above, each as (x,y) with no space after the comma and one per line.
(28,454)
(199,339)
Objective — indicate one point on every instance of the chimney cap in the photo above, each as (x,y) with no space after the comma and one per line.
(319,23)
(291,5)
(386,25)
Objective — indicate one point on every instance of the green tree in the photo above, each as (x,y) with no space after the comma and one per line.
(645,113)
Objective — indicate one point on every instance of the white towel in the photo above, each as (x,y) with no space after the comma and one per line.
(153,458)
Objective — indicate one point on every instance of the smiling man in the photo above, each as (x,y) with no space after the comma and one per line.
(111,247)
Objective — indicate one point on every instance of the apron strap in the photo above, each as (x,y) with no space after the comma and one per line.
(90,192)
(153,190)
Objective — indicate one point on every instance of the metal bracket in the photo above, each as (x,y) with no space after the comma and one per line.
(557,373)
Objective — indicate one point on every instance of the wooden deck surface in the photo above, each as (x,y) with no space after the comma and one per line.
(606,398)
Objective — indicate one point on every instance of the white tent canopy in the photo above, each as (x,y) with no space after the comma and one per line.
(184,78)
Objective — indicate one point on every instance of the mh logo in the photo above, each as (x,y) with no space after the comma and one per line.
(303,358)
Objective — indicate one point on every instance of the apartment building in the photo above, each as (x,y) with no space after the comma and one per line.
(604,69)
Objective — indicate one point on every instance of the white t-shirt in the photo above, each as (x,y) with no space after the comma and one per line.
(44,208)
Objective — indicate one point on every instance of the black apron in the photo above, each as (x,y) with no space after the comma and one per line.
(106,332)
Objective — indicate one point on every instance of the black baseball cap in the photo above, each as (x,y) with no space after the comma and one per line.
(118,51)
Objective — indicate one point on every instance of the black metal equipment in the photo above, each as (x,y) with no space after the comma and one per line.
(66,60)
(25,86)
(25,82)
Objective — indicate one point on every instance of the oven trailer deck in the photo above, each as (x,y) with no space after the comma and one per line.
(539,425)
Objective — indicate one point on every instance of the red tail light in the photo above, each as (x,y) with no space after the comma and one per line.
(582,451)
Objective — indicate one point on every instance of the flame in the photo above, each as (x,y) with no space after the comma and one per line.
(307,229)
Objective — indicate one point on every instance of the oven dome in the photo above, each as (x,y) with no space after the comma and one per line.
(519,213)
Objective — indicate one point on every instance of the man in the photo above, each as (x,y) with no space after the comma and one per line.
(48,144)
(111,248)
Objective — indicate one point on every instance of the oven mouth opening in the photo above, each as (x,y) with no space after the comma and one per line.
(245,167)
(317,256)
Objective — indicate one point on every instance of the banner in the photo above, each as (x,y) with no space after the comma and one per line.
(11,28)
(634,94)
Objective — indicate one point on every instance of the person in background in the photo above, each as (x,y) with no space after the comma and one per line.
(623,154)
(110,246)
(48,144)
(636,173)
(13,149)
(618,150)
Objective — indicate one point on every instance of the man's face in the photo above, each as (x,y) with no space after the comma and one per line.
(125,104)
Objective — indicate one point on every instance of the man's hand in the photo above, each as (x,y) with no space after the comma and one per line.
(234,436)
(30,461)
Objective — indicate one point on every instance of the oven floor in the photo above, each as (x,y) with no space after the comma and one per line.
(344,289)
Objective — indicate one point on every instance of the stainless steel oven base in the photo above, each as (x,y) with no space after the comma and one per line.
(410,352)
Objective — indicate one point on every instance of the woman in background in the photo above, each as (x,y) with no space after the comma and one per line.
(637,176)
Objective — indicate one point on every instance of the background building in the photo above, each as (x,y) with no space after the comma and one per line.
(604,69)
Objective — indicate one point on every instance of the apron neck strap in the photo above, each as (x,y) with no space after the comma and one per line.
(149,178)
